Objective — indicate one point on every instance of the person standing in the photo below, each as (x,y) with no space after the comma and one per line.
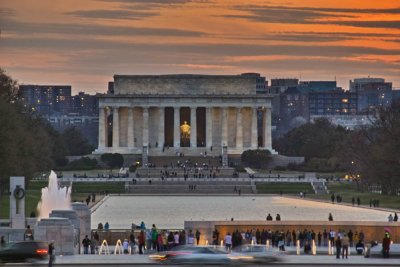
(358,201)
(86,243)
(141,241)
(330,217)
(390,218)
(228,242)
(338,245)
(345,246)
(50,252)
(197,236)
(353,200)
(395,218)
(2,242)
(386,245)
(319,236)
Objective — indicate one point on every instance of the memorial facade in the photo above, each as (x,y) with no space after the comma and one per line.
(158,114)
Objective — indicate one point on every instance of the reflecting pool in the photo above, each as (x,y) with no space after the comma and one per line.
(170,212)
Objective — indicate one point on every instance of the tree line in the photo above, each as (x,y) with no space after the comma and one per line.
(369,154)
(28,144)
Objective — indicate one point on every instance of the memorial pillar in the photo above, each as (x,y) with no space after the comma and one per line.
(239,129)
(193,127)
(131,137)
(161,127)
(102,128)
(254,128)
(177,131)
(224,139)
(267,128)
(145,126)
(209,127)
(115,136)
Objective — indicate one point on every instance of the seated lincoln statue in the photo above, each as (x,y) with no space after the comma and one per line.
(185,130)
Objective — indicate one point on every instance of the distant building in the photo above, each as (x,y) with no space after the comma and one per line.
(372,93)
(279,86)
(294,106)
(46,99)
(335,102)
(396,95)
(85,104)
(317,86)
(261,83)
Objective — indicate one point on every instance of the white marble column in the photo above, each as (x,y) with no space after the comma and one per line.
(267,128)
(254,142)
(102,127)
(145,126)
(209,121)
(115,136)
(224,137)
(177,129)
(193,127)
(239,129)
(161,127)
(131,136)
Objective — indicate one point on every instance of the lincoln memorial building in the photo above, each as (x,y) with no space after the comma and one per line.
(155,115)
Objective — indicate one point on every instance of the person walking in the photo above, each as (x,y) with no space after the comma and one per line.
(86,243)
(50,252)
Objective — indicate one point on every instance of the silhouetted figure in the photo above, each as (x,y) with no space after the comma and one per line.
(278,217)
(330,218)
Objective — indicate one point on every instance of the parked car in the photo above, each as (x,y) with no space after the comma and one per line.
(24,251)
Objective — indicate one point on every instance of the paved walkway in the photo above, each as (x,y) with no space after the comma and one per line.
(289,259)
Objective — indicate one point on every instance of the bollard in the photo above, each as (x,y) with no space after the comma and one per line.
(329,248)
(222,243)
(206,242)
(314,248)
(298,247)
(252,242)
(267,243)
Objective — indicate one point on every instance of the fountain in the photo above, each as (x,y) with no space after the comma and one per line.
(54,197)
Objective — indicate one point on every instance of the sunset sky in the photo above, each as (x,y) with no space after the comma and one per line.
(85,42)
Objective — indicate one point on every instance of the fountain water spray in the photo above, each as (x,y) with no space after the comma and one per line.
(54,197)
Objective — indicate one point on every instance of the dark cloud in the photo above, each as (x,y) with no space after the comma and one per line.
(91,29)
(393,24)
(193,50)
(310,15)
(7,12)
(112,14)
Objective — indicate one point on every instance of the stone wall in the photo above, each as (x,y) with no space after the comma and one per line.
(372,230)
(184,84)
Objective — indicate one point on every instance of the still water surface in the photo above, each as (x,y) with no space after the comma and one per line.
(170,212)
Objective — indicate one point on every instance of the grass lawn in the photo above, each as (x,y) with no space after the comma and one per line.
(286,188)
(348,190)
(80,191)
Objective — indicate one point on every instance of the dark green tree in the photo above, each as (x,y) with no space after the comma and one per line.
(113,160)
(75,143)
(311,140)
(373,152)
(257,159)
